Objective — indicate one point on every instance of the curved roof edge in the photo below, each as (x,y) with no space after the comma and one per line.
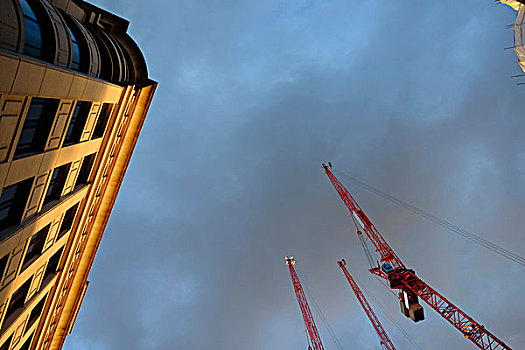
(117,59)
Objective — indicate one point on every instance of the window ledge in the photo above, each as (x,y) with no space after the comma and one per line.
(8,232)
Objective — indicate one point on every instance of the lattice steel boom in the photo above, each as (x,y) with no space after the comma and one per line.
(411,286)
(383,337)
(303,305)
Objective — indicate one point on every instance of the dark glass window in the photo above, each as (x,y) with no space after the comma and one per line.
(102,121)
(52,265)
(37,126)
(85,170)
(81,51)
(12,202)
(33,42)
(106,62)
(27,344)
(76,52)
(67,222)
(3,265)
(57,182)
(36,245)
(18,298)
(77,123)
(37,310)
(5,346)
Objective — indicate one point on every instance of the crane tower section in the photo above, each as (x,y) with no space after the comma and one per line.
(383,337)
(309,322)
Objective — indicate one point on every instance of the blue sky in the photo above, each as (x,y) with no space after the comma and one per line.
(413,97)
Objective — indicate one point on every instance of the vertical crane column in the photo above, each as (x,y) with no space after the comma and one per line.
(383,337)
(303,304)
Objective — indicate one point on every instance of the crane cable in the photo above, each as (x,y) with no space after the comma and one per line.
(456,229)
(326,325)
(307,337)
(390,317)
(386,286)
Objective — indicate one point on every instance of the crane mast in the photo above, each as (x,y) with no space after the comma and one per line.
(303,305)
(411,287)
(383,337)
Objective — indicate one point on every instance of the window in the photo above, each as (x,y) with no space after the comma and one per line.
(77,123)
(5,346)
(106,61)
(76,52)
(27,343)
(81,52)
(18,299)
(67,222)
(37,126)
(36,245)
(102,121)
(3,265)
(33,42)
(37,310)
(57,182)
(52,265)
(85,170)
(12,203)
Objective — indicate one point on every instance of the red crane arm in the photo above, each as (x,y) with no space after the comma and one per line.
(382,247)
(383,337)
(413,287)
(472,330)
(303,305)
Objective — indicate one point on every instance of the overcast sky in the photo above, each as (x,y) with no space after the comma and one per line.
(413,97)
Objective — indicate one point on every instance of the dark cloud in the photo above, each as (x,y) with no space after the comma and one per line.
(411,97)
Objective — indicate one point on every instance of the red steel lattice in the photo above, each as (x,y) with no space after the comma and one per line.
(406,280)
(383,337)
(303,305)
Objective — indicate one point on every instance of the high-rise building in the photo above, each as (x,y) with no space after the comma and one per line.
(74,93)
(519,29)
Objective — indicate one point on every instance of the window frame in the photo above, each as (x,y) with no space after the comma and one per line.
(16,204)
(27,343)
(71,220)
(37,126)
(4,260)
(77,123)
(7,343)
(102,121)
(86,169)
(30,47)
(50,263)
(32,318)
(56,183)
(21,296)
(37,246)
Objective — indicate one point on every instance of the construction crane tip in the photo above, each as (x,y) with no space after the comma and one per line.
(327,167)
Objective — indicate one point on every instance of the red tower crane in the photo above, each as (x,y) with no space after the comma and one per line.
(305,309)
(384,340)
(411,286)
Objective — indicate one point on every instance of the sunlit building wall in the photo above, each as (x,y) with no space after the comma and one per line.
(519,29)
(74,93)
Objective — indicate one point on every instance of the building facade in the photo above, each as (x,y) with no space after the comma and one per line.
(519,29)
(74,93)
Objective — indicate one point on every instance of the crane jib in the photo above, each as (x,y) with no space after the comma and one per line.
(411,287)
